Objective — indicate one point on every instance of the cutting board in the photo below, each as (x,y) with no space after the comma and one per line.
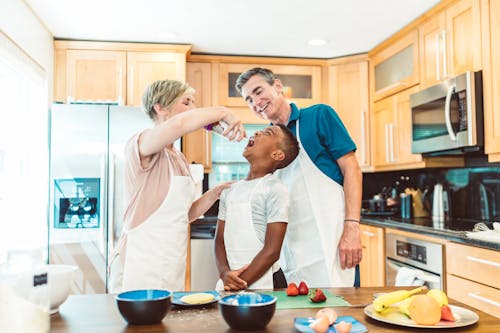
(302,301)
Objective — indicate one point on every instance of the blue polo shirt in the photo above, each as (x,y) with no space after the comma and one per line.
(323,136)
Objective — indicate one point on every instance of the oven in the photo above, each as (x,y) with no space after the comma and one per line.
(413,262)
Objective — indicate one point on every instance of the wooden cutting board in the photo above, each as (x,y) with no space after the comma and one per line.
(302,301)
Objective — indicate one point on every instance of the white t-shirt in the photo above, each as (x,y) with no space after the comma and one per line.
(270,201)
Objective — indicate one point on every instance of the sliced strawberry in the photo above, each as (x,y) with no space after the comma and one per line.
(446,313)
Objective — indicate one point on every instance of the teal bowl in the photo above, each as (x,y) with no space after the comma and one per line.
(144,307)
(247,311)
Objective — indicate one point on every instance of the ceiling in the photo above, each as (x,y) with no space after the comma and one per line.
(279,28)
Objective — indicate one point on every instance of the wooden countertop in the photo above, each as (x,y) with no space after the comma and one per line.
(99,313)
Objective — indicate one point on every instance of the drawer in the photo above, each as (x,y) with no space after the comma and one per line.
(473,263)
(474,294)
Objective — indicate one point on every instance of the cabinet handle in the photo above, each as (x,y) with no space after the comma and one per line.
(369,234)
(483,261)
(438,69)
(483,299)
(445,67)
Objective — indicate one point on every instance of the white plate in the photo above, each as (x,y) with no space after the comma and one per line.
(393,316)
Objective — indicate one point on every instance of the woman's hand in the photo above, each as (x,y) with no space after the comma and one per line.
(217,190)
(235,130)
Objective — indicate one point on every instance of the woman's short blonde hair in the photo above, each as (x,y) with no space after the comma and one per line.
(165,93)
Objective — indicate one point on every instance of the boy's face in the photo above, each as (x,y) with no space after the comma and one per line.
(264,144)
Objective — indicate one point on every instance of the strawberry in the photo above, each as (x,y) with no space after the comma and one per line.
(317,295)
(446,313)
(303,289)
(292,290)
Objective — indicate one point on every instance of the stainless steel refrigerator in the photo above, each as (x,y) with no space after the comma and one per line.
(86,186)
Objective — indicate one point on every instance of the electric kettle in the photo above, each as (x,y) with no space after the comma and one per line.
(437,202)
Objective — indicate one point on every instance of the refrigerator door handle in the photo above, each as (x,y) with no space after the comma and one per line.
(104,202)
(110,201)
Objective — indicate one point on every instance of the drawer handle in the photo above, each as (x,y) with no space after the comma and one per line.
(482,261)
(369,234)
(483,299)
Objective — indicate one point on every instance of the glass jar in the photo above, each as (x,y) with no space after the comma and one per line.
(24,293)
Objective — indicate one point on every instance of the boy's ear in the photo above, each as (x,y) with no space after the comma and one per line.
(278,155)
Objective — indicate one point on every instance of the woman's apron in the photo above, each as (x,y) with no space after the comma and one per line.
(240,238)
(157,248)
(316,222)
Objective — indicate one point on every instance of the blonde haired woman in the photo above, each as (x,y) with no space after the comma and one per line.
(151,253)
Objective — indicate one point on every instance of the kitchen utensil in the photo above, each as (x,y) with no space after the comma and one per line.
(248,311)
(144,307)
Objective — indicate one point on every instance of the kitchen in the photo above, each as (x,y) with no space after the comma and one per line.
(371,110)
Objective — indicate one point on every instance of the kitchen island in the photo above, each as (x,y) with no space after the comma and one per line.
(99,314)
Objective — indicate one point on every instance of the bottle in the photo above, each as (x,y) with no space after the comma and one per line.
(24,293)
(219,127)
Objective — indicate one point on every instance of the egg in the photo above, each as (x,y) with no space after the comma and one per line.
(343,327)
(320,325)
(330,313)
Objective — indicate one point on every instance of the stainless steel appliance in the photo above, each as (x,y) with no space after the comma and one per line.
(86,192)
(448,117)
(421,261)
(204,273)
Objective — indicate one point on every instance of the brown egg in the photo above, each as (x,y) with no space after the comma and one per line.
(328,312)
(343,327)
(320,325)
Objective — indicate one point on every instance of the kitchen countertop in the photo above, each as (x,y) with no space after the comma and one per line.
(414,226)
(98,313)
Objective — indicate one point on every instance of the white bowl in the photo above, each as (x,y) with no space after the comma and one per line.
(59,279)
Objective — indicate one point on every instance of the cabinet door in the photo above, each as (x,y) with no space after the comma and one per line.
(196,146)
(463,37)
(402,131)
(348,95)
(95,75)
(382,132)
(302,84)
(431,50)
(147,67)
(491,75)
(372,266)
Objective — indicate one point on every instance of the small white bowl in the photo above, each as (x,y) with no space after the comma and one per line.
(59,279)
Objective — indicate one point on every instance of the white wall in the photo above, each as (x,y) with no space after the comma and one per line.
(19,23)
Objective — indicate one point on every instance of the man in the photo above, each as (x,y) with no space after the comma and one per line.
(253,215)
(322,245)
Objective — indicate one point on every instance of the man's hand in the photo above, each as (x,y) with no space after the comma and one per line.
(350,251)
(232,281)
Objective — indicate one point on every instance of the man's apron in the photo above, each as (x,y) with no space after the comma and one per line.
(157,248)
(316,221)
(240,238)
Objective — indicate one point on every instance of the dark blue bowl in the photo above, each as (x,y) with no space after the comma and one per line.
(248,311)
(144,307)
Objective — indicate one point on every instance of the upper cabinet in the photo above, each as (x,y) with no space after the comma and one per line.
(394,67)
(301,83)
(113,72)
(348,95)
(450,42)
(491,75)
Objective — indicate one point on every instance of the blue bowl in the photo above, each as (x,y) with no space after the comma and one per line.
(144,307)
(248,311)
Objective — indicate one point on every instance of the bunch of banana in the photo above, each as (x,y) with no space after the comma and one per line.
(384,301)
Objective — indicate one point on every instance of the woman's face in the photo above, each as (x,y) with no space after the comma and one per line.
(184,103)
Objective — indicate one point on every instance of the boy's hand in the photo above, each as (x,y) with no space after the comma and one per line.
(232,281)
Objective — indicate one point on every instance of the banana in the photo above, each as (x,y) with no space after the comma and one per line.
(404,306)
(384,301)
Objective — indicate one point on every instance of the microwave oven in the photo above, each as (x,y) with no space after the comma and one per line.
(447,118)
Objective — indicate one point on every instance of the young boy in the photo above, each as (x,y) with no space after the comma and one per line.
(253,215)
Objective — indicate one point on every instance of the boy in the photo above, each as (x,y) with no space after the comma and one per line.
(253,215)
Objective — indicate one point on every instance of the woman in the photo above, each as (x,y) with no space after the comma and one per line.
(151,253)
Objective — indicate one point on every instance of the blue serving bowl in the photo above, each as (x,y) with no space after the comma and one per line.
(247,311)
(144,307)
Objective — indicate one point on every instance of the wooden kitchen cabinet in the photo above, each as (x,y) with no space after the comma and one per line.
(450,42)
(348,95)
(394,65)
(473,276)
(113,72)
(490,14)
(302,83)
(372,266)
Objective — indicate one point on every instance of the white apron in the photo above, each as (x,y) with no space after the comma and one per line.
(157,248)
(316,221)
(240,238)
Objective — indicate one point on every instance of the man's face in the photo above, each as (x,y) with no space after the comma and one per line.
(265,100)
(263,144)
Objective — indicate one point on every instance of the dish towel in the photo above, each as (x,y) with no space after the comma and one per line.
(408,277)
